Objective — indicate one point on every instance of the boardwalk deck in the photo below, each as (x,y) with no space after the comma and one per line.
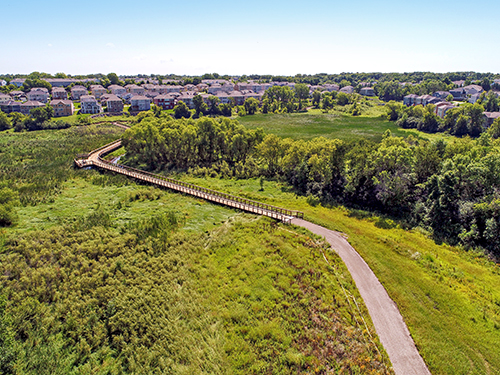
(95,159)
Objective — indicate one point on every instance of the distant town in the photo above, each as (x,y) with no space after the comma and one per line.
(68,96)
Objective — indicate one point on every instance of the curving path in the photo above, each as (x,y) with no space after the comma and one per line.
(388,322)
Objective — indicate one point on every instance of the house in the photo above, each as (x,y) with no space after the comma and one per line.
(59,93)
(458,94)
(458,83)
(187,98)
(18,95)
(4,98)
(223,97)
(238,96)
(347,89)
(18,81)
(90,105)
(410,100)
(174,88)
(114,104)
(60,82)
(78,91)
(117,90)
(97,90)
(62,107)
(38,95)
(441,94)
(136,90)
(140,103)
(10,106)
(473,89)
(3,82)
(165,101)
(26,107)
(441,110)
(490,117)
(331,87)
(367,91)
(214,89)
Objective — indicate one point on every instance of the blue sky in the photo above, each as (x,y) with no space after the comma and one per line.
(261,37)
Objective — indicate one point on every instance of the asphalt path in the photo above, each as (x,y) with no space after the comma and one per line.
(388,322)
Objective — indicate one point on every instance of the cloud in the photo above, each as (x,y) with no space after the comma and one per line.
(49,45)
(110,45)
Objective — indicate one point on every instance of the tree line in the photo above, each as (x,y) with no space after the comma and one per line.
(466,119)
(451,189)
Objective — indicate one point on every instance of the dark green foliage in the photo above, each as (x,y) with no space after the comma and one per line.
(181,110)
(7,351)
(5,122)
(8,200)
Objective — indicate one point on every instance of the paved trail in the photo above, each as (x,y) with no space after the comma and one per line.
(388,322)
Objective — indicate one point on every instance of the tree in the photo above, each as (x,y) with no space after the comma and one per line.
(213,105)
(316,98)
(251,106)
(342,99)
(490,102)
(5,122)
(394,110)
(182,110)
(198,104)
(449,98)
(302,93)
(225,109)
(485,84)
(494,129)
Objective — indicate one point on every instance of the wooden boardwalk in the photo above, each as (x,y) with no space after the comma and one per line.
(95,159)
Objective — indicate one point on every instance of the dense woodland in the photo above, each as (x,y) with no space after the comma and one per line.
(450,188)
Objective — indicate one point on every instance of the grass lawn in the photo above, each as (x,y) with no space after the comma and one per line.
(329,125)
(448,297)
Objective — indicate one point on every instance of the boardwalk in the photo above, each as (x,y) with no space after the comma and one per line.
(95,159)
(388,322)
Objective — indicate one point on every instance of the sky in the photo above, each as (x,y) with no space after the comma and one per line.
(255,37)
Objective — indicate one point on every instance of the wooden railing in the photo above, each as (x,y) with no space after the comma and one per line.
(95,158)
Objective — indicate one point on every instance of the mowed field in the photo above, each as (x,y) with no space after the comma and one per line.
(336,125)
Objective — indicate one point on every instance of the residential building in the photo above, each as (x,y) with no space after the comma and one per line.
(60,82)
(78,91)
(10,106)
(442,109)
(26,107)
(140,103)
(331,87)
(187,98)
(38,95)
(59,93)
(367,91)
(165,101)
(90,105)
(410,100)
(18,81)
(117,90)
(3,82)
(97,90)
(347,89)
(136,90)
(490,117)
(62,107)
(4,98)
(19,95)
(114,104)
(441,94)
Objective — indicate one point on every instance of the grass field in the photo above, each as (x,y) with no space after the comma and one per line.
(329,125)
(227,293)
(448,297)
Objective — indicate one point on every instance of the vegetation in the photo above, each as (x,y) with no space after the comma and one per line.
(95,283)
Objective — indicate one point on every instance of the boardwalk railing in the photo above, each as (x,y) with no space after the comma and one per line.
(95,158)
